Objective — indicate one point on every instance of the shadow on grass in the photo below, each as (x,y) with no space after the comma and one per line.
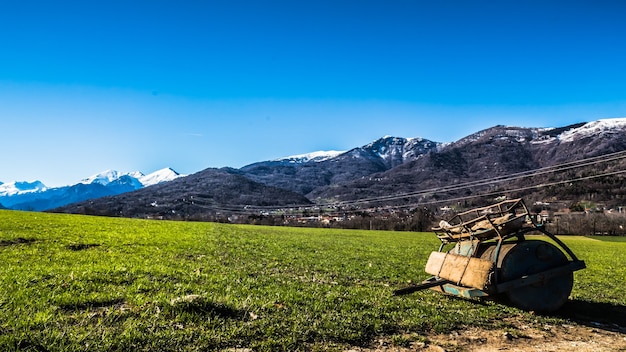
(606,316)
(600,315)
(27,345)
(199,306)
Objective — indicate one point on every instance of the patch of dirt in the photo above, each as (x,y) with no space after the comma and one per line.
(81,246)
(546,338)
(19,240)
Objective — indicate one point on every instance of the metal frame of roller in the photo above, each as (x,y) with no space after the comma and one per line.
(492,256)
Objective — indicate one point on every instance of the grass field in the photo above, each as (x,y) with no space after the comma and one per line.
(76,283)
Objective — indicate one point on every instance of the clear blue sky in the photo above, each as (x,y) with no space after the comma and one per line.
(87,86)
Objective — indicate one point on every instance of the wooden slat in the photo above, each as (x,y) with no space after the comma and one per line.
(466,271)
(477,273)
(454,267)
(435,262)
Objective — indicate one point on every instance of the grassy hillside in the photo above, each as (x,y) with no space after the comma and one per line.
(73,283)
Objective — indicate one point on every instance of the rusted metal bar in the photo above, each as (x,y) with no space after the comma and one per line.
(424,285)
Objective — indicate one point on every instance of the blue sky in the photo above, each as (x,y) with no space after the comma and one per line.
(87,86)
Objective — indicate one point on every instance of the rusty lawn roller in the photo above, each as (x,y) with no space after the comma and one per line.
(493,256)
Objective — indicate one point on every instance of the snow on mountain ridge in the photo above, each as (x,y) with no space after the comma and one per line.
(397,150)
(106,177)
(314,156)
(594,128)
(36,196)
(17,187)
(103,178)
(163,175)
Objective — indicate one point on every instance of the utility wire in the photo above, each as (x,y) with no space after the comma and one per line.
(500,192)
(498,179)
(248,209)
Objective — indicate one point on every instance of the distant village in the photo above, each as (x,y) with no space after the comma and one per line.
(582,218)
(561,218)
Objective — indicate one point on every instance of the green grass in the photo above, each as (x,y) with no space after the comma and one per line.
(76,283)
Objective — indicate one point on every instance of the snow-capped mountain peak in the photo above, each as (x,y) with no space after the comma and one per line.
(136,174)
(594,128)
(12,188)
(106,177)
(394,151)
(36,196)
(103,178)
(311,157)
(163,175)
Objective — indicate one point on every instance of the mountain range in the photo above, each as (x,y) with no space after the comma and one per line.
(580,162)
(37,197)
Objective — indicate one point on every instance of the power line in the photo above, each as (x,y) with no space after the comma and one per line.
(500,192)
(249,209)
(498,179)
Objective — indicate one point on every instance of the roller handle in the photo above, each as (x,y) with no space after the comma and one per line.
(424,285)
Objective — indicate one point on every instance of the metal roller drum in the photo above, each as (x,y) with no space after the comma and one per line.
(518,259)
(492,256)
